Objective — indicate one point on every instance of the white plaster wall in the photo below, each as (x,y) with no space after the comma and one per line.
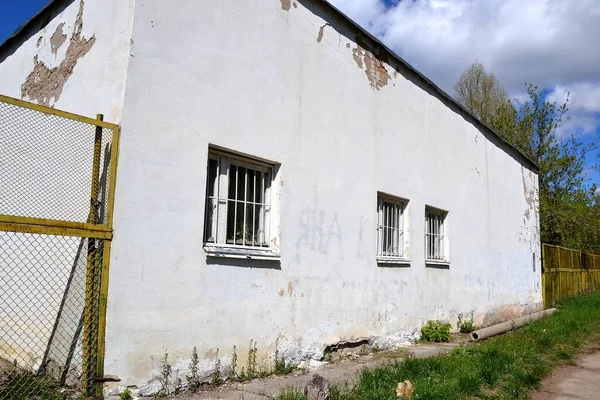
(252,77)
(97,83)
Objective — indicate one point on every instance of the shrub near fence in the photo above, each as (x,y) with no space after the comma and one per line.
(567,272)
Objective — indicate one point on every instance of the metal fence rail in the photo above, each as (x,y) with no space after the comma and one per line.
(567,272)
(57,179)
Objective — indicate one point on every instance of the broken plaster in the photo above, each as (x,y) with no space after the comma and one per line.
(58,38)
(286,4)
(376,72)
(43,84)
(320,35)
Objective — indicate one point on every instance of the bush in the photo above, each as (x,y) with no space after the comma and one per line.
(436,331)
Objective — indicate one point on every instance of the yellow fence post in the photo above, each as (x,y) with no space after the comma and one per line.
(66,245)
(103,301)
(90,315)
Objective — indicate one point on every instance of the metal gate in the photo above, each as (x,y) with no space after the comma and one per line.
(57,187)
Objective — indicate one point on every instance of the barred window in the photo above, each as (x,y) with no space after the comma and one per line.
(390,227)
(436,248)
(237,201)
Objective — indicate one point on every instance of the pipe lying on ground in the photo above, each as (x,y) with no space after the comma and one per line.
(508,325)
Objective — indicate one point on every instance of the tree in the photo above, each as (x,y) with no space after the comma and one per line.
(482,94)
(569,209)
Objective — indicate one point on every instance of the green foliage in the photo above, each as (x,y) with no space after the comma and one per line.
(291,393)
(569,209)
(509,366)
(126,395)
(164,378)
(193,380)
(232,375)
(466,325)
(16,384)
(251,370)
(281,366)
(177,385)
(215,377)
(436,331)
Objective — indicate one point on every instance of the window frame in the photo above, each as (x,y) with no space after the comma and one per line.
(443,258)
(220,247)
(398,222)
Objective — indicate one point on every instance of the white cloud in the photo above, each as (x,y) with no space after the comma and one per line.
(545,42)
(583,96)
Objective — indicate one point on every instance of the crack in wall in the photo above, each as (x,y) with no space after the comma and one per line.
(43,83)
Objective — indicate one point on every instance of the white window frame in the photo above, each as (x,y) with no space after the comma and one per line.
(392,233)
(217,238)
(436,236)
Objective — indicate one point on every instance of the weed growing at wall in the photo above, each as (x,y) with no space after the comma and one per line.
(251,370)
(232,374)
(281,366)
(215,377)
(436,331)
(192,378)
(177,384)
(466,325)
(126,395)
(165,377)
(509,366)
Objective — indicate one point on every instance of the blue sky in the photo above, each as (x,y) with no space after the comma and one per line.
(550,43)
(13,13)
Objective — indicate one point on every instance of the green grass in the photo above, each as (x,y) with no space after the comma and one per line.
(504,367)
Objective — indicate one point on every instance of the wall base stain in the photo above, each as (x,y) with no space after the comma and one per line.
(43,83)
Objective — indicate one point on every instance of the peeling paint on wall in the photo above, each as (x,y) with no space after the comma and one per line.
(376,72)
(43,84)
(58,38)
(320,35)
(286,4)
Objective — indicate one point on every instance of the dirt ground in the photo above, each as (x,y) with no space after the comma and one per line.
(580,381)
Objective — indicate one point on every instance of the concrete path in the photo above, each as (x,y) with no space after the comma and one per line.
(338,373)
(581,381)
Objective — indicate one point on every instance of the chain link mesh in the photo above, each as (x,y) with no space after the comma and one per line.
(46,164)
(54,168)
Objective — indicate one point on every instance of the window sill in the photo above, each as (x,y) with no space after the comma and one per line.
(243,253)
(393,261)
(437,264)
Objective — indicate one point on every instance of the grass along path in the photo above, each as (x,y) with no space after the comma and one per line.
(504,367)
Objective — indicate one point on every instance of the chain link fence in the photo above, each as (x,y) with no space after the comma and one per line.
(57,175)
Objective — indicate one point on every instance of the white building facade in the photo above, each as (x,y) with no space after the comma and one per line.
(282,177)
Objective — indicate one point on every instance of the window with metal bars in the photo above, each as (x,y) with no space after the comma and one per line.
(237,202)
(390,228)
(436,248)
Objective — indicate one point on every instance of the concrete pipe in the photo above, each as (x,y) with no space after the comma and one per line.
(508,325)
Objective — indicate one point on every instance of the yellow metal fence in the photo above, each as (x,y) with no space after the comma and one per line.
(57,180)
(567,272)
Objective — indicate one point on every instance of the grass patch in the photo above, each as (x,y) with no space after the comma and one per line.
(504,367)
(24,385)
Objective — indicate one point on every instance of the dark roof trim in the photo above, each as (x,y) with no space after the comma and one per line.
(46,12)
(41,18)
(465,113)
